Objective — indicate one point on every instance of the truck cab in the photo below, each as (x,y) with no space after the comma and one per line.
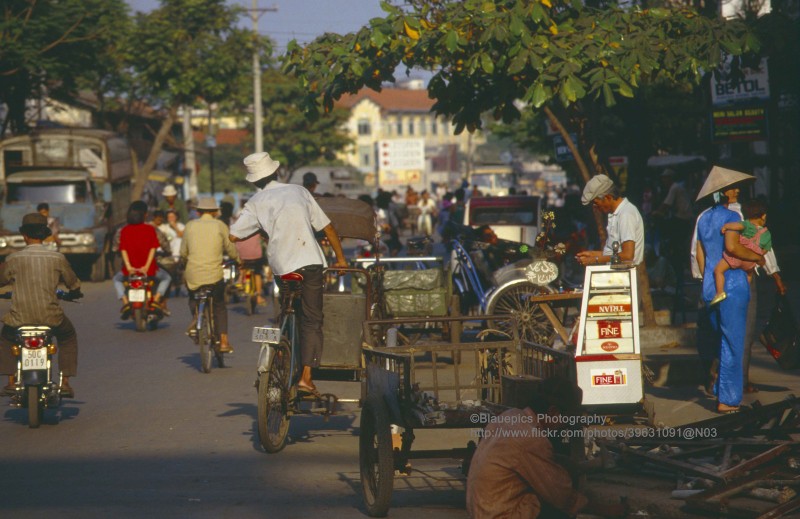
(83,174)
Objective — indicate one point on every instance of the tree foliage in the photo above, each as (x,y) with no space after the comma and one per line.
(47,47)
(290,136)
(184,53)
(485,55)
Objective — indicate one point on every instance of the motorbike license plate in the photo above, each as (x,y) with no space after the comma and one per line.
(268,335)
(34,359)
(136,295)
(227,274)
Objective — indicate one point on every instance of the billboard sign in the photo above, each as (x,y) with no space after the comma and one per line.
(401,155)
(753,85)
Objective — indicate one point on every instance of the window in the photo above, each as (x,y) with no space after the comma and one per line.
(399,126)
(434,127)
(63,193)
(411,126)
(365,156)
(364,127)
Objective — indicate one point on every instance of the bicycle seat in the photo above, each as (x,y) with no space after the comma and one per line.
(292,276)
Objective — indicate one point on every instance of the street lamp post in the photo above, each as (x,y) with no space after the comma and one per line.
(258,118)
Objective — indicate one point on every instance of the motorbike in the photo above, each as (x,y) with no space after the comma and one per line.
(35,388)
(140,291)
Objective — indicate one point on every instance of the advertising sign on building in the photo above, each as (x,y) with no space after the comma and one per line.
(739,123)
(401,154)
(562,151)
(754,83)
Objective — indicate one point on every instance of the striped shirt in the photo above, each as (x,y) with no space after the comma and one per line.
(35,273)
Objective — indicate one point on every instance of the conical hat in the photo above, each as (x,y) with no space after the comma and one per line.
(720,178)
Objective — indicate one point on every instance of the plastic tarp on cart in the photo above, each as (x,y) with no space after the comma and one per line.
(412,293)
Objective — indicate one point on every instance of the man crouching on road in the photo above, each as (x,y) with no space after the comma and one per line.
(514,472)
(289,216)
(35,273)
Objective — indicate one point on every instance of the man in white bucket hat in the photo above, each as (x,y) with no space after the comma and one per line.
(289,216)
(171,202)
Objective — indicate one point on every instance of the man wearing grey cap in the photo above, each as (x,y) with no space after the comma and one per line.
(290,216)
(625,224)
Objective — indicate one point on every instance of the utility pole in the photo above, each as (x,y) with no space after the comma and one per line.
(255,14)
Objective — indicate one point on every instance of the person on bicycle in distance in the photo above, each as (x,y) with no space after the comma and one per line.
(138,242)
(35,273)
(289,215)
(205,241)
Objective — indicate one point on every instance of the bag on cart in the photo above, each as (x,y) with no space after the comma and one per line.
(780,335)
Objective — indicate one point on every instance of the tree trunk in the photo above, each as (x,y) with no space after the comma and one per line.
(158,143)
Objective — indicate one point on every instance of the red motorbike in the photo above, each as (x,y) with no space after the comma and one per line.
(144,312)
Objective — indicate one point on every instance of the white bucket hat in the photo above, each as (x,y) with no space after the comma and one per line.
(207,203)
(719,179)
(170,191)
(260,165)
(598,185)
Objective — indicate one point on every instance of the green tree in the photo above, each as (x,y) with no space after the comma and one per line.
(47,47)
(290,136)
(187,52)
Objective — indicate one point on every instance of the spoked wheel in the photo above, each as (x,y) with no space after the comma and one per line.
(532,323)
(273,400)
(375,457)
(206,340)
(35,406)
(140,319)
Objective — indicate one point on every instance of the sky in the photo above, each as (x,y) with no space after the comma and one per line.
(302,20)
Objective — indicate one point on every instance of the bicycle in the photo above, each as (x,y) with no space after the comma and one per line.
(277,372)
(205,329)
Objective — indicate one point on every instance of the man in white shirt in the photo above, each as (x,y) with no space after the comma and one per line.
(289,216)
(625,224)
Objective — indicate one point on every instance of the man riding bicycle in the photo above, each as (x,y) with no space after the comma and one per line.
(289,216)
(204,243)
(35,273)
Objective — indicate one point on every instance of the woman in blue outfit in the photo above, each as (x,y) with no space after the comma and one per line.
(730,318)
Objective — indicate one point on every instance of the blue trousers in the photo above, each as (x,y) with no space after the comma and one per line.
(731,321)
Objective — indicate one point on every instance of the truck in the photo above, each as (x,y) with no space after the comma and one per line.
(85,175)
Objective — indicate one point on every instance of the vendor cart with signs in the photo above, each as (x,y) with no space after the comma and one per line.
(423,387)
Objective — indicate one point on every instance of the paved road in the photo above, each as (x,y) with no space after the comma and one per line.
(149,435)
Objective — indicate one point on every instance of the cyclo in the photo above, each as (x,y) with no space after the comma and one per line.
(279,359)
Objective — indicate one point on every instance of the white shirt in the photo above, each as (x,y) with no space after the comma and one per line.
(770,262)
(290,216)
(172,236)
(625,224)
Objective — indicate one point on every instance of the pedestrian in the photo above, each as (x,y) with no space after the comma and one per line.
(310,182)
(289,216)
(427,212)
(727,320)
(754,235)
(706,336)
(625,226)
(52,223)
(677,221)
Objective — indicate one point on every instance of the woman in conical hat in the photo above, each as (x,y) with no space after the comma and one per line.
(728,321)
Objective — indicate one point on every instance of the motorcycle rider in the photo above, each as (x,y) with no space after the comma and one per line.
(138,242)
(289,215)
(35,273)
(204,243)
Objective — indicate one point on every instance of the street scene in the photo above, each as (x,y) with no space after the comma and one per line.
(351,258)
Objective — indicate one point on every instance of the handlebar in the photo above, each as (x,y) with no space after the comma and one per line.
(63,295)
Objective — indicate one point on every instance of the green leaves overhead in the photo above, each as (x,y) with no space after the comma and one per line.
(486,54)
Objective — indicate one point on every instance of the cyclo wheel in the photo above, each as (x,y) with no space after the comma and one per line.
(375,457)
(273,399)
(35,407)
(206,340)
(514,300)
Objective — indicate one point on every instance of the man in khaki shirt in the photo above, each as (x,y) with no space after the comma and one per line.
(205,241)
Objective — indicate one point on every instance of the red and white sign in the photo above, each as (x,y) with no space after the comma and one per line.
(401,155)
(609,329)
(602,377)
(609,346)
(609,309)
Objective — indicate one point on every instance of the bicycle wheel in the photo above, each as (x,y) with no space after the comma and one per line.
(206,340)
(375,457)
(273,399)
(514,300)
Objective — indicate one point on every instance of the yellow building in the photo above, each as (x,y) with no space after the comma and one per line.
(401,113)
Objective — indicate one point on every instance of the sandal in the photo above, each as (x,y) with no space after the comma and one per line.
(727,409)
(311,390)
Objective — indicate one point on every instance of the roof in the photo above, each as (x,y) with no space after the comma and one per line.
(391,99)
(49,175)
